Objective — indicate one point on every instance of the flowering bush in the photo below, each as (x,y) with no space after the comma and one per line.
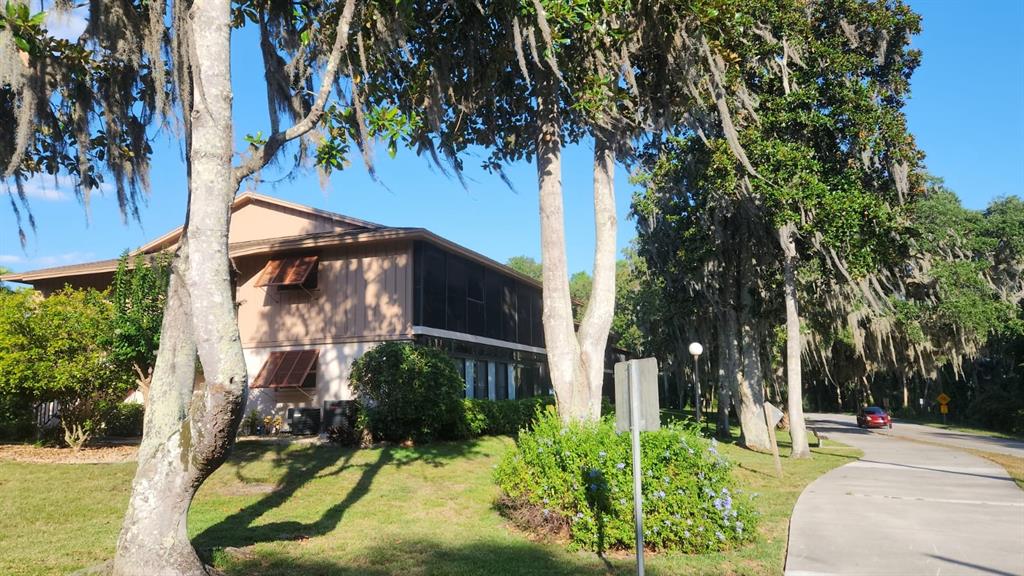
(578,479)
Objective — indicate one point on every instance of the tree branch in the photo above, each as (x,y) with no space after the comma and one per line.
(264,155)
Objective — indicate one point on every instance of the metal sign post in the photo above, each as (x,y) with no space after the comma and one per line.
(944,406)
(636,409)
(638,499)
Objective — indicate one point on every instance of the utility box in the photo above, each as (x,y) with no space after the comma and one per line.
(650,407)
(304,421)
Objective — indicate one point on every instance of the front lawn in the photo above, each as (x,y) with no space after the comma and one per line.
(304,509)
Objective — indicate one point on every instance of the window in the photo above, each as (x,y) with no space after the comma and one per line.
(291,369)
(474,281)
(432,271)
(523,316)
(476,313)
(527,380)
(480,382)
(293,272)
(456,297)
(492,299)
(508,310)
(501,381)
(536,320)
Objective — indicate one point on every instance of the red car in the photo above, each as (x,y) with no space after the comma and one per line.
(873,417)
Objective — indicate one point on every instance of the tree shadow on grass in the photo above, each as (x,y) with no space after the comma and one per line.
(431,558)
(302,465)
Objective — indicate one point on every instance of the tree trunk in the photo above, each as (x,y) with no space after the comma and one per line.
(726,367)
(597,320)
(154,539)
(794,386)
(680,370)
(563,353)
(750,393)
(188,434)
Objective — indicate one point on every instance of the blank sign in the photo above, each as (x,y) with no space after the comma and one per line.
(650,415)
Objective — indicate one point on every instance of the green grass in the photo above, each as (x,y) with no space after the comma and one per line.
(301,509)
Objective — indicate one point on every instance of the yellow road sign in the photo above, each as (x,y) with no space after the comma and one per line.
(944,408)
(943,399)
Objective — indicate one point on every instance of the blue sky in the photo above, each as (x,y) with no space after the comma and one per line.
(966,111)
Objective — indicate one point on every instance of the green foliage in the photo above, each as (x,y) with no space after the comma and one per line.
(526,266)
(3,285)
(580,476)
(349,432)
(139,294)
(125,420)
(501,417)
(59,348)
(998,409)
(580,285)
(409,392)
(17,420)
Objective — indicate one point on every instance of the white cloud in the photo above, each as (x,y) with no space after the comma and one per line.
(49,189)
(55,189)
(62,259)
(30,263)
(68,25)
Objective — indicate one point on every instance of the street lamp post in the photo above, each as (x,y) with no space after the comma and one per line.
(695,350)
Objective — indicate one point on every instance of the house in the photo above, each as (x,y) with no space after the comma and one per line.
(315,290)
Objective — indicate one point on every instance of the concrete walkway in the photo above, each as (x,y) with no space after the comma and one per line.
(906,509)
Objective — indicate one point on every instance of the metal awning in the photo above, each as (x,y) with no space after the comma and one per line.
(286,369)
(290,271)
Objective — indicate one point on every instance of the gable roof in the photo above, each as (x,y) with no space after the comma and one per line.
(349,231)
(252,198)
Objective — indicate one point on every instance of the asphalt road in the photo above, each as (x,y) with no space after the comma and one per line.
(958,439)
(906,508)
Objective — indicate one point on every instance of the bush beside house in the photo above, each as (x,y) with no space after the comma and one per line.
(501,417)
(59,349)
(409,392)
(125,421)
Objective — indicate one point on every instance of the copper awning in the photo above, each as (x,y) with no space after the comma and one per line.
(286,369)
(291,271)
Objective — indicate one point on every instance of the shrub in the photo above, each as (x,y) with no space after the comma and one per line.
(125,420)
(58,349)
(409,392)
(348,430)
(578,478)
(250,425)
(1018,422)
(501,417)
(17,418)
(996,409)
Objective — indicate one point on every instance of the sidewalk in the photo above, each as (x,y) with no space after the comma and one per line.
(906,508)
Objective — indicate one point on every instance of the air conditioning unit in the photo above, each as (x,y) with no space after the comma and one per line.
(304,421)
(339,413)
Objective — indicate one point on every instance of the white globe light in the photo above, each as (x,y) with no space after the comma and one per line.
(696,349)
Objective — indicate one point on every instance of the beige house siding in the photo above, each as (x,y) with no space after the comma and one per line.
(363,294)
(332,373)
(257,222)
